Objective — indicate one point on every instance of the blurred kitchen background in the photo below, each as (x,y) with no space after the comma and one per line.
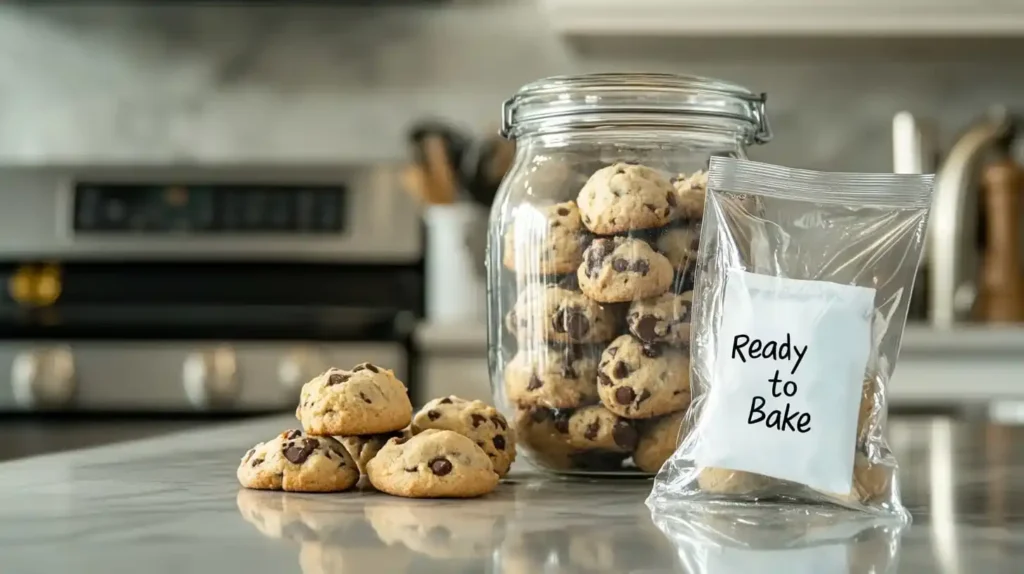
(201,206)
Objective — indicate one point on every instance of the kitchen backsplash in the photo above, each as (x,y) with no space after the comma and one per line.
(172,84)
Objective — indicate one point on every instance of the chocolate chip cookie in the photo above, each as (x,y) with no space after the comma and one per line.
(365,447)
(639,381)
(626,196)
(680,246)
(365,400)
(553,376)
(545,240)
(658,440)
(556,313)
(432,464)
(545,434)
(480,422)
(662,319)
(691,190)
(296,462)
(595,427)
(623,269)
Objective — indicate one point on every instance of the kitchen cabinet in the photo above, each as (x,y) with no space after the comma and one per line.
(788,18)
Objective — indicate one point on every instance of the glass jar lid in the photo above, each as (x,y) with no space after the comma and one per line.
(607,99)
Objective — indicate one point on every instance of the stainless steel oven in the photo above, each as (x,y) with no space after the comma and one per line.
(200,289)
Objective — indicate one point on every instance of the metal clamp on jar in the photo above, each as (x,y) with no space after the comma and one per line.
(591,249)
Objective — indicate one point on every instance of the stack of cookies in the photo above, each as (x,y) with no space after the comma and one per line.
(360,422)
(598,368)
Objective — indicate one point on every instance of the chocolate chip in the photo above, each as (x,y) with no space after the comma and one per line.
(365,399)
(499,442)
(586,219)
(368,366)
(670,197)
(619,264)
(433,415)
(337,379)
(256,462)
(621,370)
(644,395)
(644,328)
(624,435)
(563,211)
(652,351)
(499,422)
(602,247)
(640,266)
(444,401)
(604,379)
(413,469)
(576,323)
(624,395)
(297,454)
(591,432)
(477,419)
(558,321)
(292,434)
(611,351)
(556,224)
(535,383)
(651,206)
(561,421)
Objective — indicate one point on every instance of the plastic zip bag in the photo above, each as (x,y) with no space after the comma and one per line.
(802,289)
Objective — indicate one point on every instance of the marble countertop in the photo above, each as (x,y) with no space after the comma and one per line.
(171,504)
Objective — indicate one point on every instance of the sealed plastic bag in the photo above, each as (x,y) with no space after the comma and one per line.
(802,289)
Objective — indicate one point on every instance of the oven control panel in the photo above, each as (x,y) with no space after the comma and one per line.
(145,208)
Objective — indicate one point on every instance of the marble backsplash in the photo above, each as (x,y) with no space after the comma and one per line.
(306,84)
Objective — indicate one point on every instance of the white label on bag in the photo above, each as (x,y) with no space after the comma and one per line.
(786,384)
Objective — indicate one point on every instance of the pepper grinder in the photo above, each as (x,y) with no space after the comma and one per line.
(1001,297)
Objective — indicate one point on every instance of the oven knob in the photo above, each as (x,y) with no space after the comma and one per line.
(298,368)
(211,378)
(43,379)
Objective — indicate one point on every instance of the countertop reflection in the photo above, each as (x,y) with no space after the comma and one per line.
(171,504)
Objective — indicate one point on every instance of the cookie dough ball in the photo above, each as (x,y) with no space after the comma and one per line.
(295,462)
(552,376)
(474,419)
(725,481)
(871,481)
(595,427)
(365,447)
(555,313)
(366,400)
(680,246)
(625,196)
(692,190)
(432,464)
(662,319)
(639,381)
(658,440)
(545,240)
(545,434)
(623,269)
(868,406)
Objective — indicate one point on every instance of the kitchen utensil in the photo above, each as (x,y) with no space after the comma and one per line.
(1001,293)
(439,149)
(485,167)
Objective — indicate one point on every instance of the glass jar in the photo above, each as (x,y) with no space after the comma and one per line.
(591,247)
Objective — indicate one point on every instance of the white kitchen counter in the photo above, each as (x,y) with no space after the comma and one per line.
(964,364)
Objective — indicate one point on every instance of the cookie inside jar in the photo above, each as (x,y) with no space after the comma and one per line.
(593,243)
